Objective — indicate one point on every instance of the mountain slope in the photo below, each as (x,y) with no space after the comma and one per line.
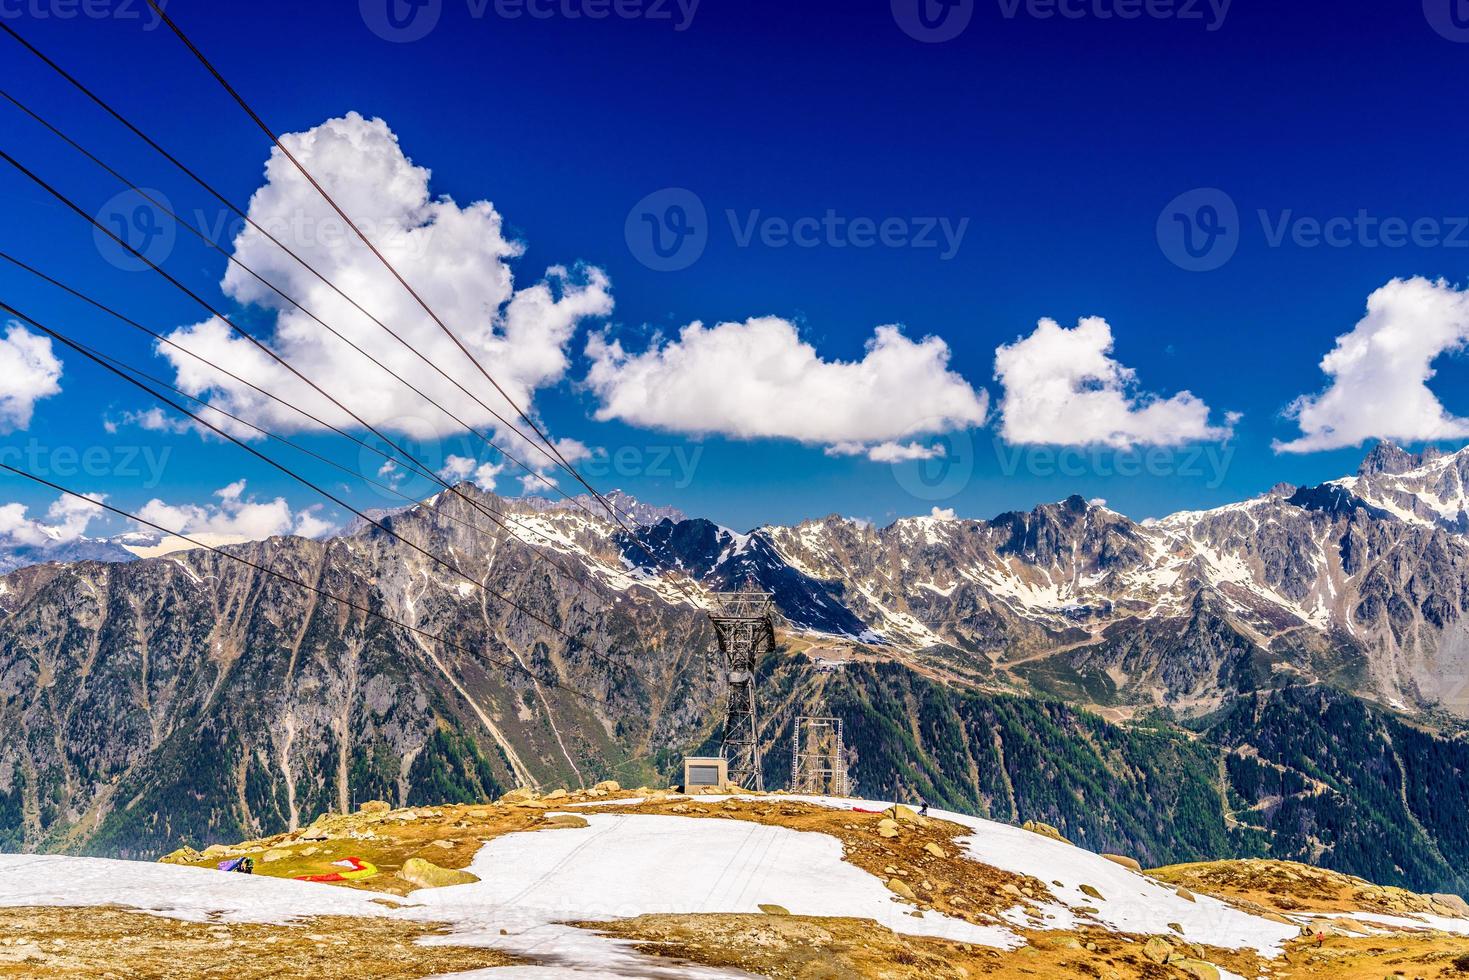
(189,697)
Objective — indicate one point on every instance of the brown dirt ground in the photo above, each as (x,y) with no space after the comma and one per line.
(817,948)
(1411,956)
(117,944)
(1286,886)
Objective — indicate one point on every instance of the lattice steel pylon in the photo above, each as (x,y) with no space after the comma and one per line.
(746,631)
(818,757)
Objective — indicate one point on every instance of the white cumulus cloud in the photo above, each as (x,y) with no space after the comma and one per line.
(1062,387)
(67,520)
(758,379)
(29,371)
(887,452)
(236,516)
(460,468)
(456,257)
(1380,371)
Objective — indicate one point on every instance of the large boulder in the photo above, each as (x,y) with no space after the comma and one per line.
(904,814)
(1129,863)
(1195,968)
(184,855)
(563,821)
(1455,904)
(1044,829)
(1158,950)
(900,888)
(426,874)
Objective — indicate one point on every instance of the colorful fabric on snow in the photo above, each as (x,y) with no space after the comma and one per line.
(356,870)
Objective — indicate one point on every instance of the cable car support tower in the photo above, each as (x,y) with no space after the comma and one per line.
(746,632)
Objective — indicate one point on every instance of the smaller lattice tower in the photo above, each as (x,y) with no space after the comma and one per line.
(746,631)
(818,762)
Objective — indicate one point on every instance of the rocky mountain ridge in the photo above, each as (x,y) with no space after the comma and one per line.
(189,696)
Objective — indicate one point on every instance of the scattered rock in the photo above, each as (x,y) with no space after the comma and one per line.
(426,874)
(375,806)
(935,850)
(1091,892)
(887,827)
(1176,927)
(608,786)
(555,794)
(274,854)
(774,909)
(1185,894)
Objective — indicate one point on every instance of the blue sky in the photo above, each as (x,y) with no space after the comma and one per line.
(1055,143)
